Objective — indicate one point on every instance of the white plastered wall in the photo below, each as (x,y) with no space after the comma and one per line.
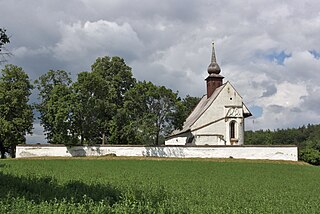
(240,152)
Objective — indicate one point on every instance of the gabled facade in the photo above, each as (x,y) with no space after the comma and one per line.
(218,119)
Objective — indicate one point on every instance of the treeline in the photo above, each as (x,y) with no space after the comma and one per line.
(104,105)
(307,138)
(107,105)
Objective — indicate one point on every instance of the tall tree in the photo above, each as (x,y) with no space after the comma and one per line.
(94,108)
(56,107)
(16,116)
(150,111)
(82,112)
(118,77)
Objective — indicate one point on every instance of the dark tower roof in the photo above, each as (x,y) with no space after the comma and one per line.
(214,80)
(213,68)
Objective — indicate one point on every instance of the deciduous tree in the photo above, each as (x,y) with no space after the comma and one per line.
(119,79)
(56,107)
(94,107)
(16,116)
(150,113)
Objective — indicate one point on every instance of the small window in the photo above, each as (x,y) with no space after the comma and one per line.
(232,129)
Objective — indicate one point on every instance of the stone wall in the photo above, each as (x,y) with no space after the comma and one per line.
(239,152)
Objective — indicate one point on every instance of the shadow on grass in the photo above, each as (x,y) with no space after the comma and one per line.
(47,189)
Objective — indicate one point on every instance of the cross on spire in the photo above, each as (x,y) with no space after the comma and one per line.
(213,56)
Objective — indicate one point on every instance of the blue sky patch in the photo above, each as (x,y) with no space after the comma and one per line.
(315,54)
(278,57)
(256,111)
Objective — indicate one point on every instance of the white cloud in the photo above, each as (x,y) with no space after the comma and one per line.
(37,136)
(288,95)
(303,66)
(79,41)
(168,43)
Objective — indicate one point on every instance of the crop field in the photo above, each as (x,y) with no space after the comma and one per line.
(115,185)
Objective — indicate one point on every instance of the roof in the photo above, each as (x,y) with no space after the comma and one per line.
(246,111)
(202,106)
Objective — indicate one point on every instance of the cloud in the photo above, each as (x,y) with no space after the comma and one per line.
(270,90)
(268,49)
(93,39)
(37,136)
(302,66)
(312,100)
(276,109)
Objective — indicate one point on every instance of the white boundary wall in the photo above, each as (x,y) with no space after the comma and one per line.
(289,153)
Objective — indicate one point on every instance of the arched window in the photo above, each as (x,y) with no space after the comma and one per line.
(233,129)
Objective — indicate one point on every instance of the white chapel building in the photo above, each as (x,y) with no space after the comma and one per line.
(218,119)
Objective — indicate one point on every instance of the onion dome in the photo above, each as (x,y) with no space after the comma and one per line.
(213,68)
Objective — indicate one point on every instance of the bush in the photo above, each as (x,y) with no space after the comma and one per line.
(311,156)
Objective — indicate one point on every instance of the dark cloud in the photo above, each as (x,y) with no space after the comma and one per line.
(270,90)
(37,63)
(168,43)
(276,109)
(296,110)
(312,101)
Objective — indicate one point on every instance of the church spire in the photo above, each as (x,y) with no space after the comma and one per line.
(214,80)
(213,68)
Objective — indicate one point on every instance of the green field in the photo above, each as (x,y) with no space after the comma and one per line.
(157,186)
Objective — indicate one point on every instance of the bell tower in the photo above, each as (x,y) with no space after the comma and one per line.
(214,80)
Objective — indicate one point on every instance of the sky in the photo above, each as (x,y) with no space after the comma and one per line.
(268,49)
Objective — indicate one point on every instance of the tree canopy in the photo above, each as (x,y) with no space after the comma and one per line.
(107,105)
(4,39)
(116,74)
(94,107)
(184,109)
(81,112)
(16,116)
(147,115)
(55,106)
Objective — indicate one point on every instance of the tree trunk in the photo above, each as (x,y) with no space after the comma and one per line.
(103,139)
(13,151)
(2,150)
(157,137)
(81,139)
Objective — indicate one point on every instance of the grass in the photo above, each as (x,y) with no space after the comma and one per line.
(157,185)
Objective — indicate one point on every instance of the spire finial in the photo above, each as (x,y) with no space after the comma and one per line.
(213,56)
(213,67)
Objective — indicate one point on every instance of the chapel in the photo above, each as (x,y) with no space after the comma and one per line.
(218,119)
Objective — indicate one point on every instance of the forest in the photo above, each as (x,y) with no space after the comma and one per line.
(307,138)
